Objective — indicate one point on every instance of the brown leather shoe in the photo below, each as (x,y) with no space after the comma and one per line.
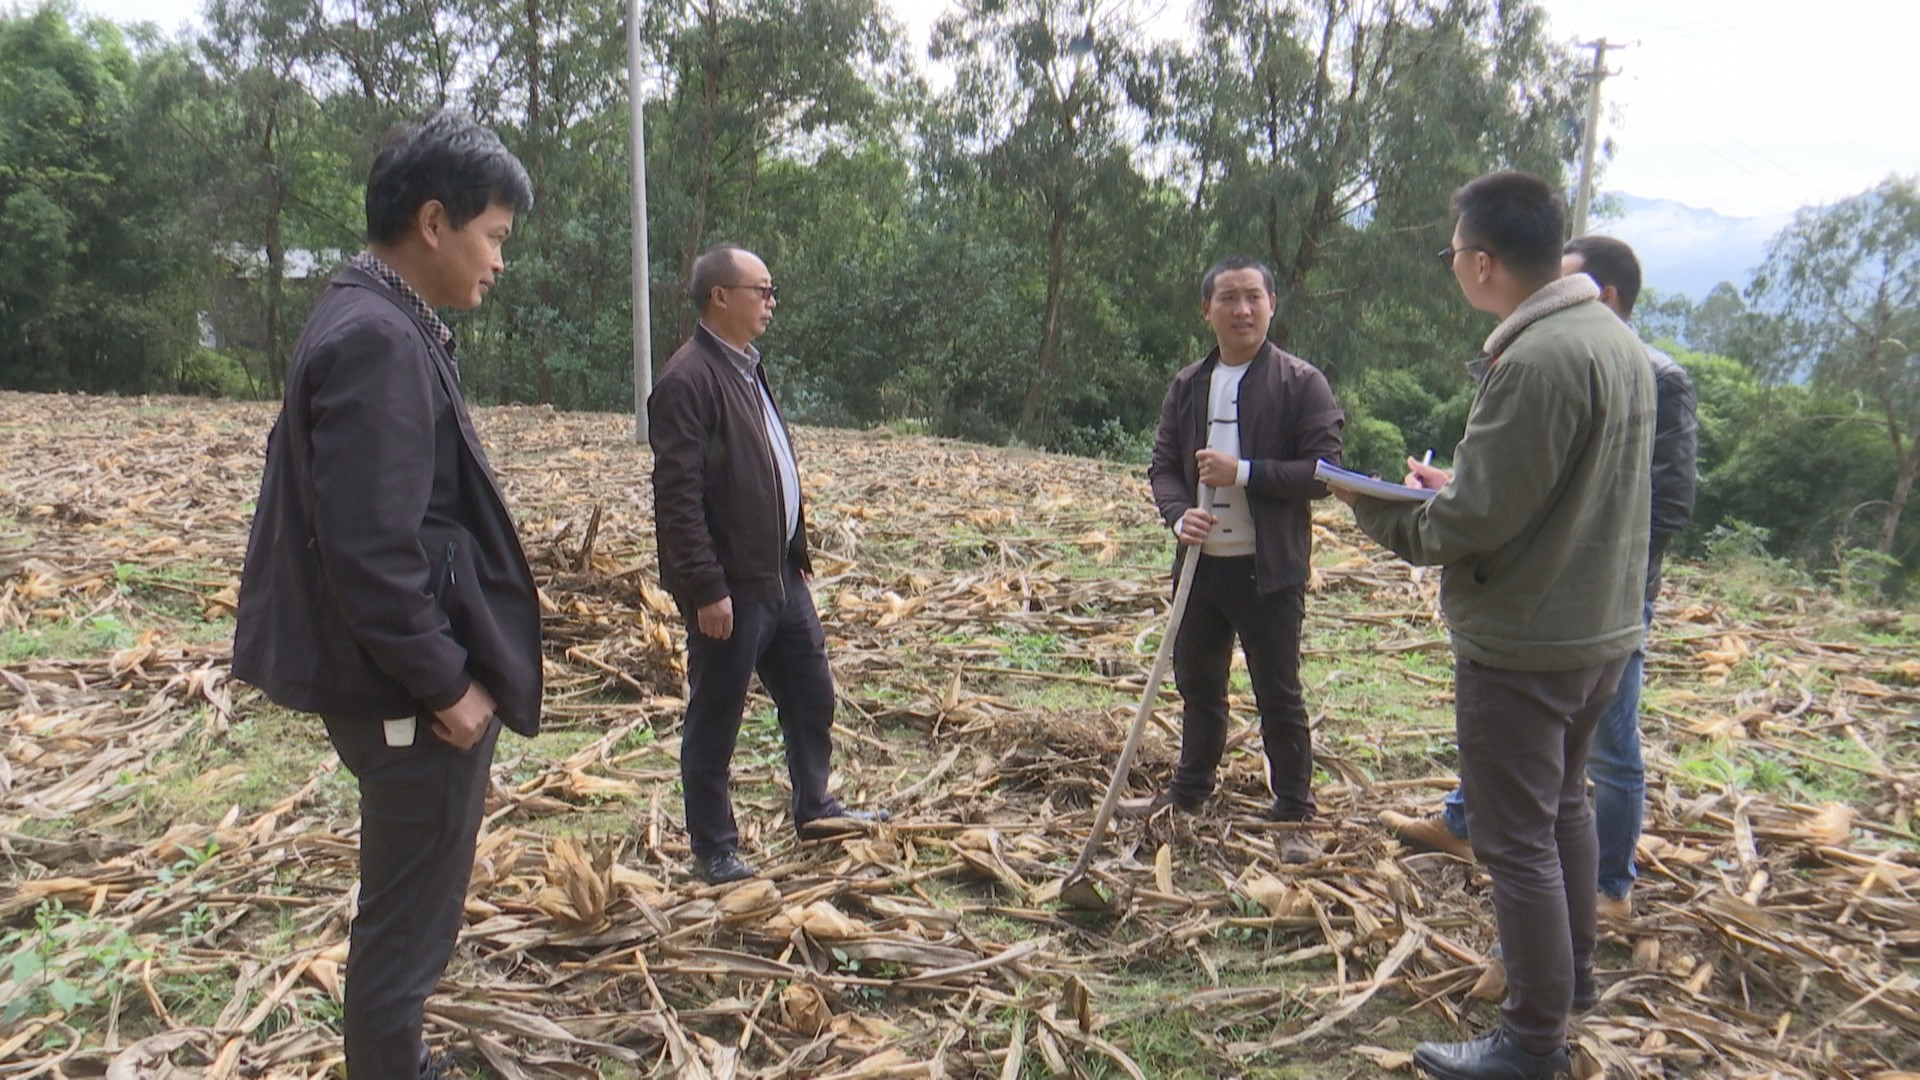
(1426,834)
(1299,848)
(1612,910)
(840,821)
(1137,809)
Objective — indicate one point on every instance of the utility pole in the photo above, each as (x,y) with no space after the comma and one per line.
(642,292)
(1598,75)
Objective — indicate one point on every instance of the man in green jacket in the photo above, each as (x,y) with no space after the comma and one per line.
(1541,530)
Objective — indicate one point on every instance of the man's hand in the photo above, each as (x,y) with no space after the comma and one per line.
(716,619)
(1422,475)
(464,723)
(1194,526)
(1218,469)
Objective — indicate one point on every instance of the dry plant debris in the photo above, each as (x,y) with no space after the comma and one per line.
(991,615)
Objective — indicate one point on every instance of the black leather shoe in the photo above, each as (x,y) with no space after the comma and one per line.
(1493,1056)
(721,867)
(840,821)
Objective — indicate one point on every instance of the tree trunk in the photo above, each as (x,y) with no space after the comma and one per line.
(1907,459)
(276,272)
(712,68)
(1041,380)
(1273,167)
(276,247)
(1903,487)
(1291,275)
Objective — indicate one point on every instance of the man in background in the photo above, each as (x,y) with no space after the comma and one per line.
(732,538)
(1614,763)
(1249,421)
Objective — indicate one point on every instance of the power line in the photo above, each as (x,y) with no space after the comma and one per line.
(1763,157)
(1729,159)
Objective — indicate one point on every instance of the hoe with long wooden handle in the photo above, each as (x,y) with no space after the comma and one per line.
(1076,890)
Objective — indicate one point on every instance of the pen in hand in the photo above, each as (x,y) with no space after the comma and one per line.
(1418,475)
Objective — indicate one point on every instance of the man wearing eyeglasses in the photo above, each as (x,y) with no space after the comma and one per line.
(1541,529)
(732,541)
(1614,762)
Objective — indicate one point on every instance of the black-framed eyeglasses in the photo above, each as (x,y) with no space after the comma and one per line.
(1447,253)
(767,292)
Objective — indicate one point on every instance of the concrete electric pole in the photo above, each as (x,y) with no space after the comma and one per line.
(642,293)
(1584,197)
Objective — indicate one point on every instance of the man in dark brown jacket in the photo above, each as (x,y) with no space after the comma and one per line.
(732,538)
(1249,421)
(384,585)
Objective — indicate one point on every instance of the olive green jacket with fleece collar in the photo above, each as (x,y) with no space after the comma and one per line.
(1543,529)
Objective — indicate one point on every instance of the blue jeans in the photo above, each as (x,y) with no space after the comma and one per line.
(1619,776)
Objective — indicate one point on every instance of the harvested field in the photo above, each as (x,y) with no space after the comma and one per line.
(176,855)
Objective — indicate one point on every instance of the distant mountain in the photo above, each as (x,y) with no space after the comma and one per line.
(1685,249)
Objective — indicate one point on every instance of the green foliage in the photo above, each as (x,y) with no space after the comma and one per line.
(1862,576)
(67,963)
(1396,412)
(949,256)
(90,293)
(1841,286)
(1109,440)
(1372,445)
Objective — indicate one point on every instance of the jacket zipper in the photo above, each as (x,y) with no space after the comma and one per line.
(779,492)
(446,575)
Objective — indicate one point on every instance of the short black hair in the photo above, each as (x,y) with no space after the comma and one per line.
(712,268)
(1609,262)
(1234,262)
(446,157)
(1517,217)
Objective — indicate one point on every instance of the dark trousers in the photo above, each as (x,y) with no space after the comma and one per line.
(1523,767)
(1224,603)
(782,641)
(420,809)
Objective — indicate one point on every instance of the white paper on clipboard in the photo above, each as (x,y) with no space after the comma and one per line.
(1360,483)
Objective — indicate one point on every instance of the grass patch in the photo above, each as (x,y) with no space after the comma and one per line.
(1027,651)
(262,757)
(65,639)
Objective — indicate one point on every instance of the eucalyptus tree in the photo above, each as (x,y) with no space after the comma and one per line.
(278,176)
(1842,286)
(1044,98)
(746,83)
(1327,135)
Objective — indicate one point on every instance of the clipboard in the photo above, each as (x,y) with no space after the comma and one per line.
(1362,484)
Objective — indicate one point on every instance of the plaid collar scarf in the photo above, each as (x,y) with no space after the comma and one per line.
(369,263)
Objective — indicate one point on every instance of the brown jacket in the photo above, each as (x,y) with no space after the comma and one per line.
(383,574)
(1288,421)
(717,515)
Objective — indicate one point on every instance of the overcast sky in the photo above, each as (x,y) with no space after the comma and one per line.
(1743,106)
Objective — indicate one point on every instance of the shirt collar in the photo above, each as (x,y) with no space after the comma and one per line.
(745,361)
(369,263)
